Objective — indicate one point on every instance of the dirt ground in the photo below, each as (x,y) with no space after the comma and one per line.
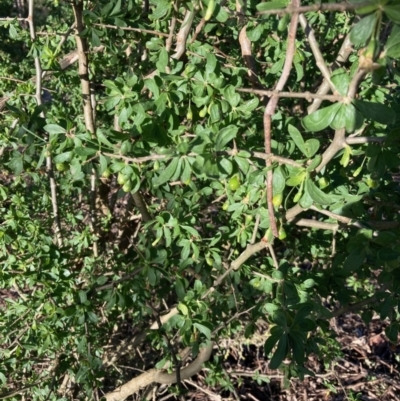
(368,370)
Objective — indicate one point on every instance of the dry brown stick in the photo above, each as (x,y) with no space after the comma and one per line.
(88,111)
(317,52)
(128,28)
(322,225)
(141,205)
(339,141)
(49,166)
(365,139)
(183,33)
(344,6)
(157,376)
(258,155)
(270,110)
(301,95)
(198,29)
(342,56)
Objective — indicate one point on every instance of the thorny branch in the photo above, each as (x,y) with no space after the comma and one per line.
(270,110)
(49,165)
(88,109)
(291,9)
(317,52)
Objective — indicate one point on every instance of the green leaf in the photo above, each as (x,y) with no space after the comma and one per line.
(163,7)
(278,182)
(392,46)
(306,200)
(311,147)
(375,111)
(54,129)
(153,87)
(321,118)
(362,31)
(167,173)
(102,138)
(339,121)
(231,96)
(341,80)
(255,33)
(319,197)
(385,238)
(393,12)
(13,32)
(271,5)
(180,288)
(249,106)
(354,260)
(116,8)
(280,353)
(392,332)
(297,138)
(203,329)
(211,62)
(183,309)
(63,157)
(82,296)
(224,136)
(387,255)
(298,346)
(353,118)
(275,334)
(279,318)
(309,283)
(297,179)
(163,59)
(84,151)
(303,312)
(314,162)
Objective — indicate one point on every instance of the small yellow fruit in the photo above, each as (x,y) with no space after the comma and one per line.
(297,196)
(189,114)
(122,179)
(277,199)
(127,187)
(248,218)
(106,173)
(372,183)
(61,166)
(209,261)
(323,182)
(156,165)
(282,233)
(203,112)
(210,10)
(234,183)
(225,205)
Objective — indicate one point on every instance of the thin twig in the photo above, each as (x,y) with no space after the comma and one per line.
(258,155)
(342,56)
(270,110)
(183,33)
(365,139)
(317,224)
(317,52)
(303,95)
(198,29)
(128,28)
(87,105)
(273,256)
(49,166)
(315,7)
